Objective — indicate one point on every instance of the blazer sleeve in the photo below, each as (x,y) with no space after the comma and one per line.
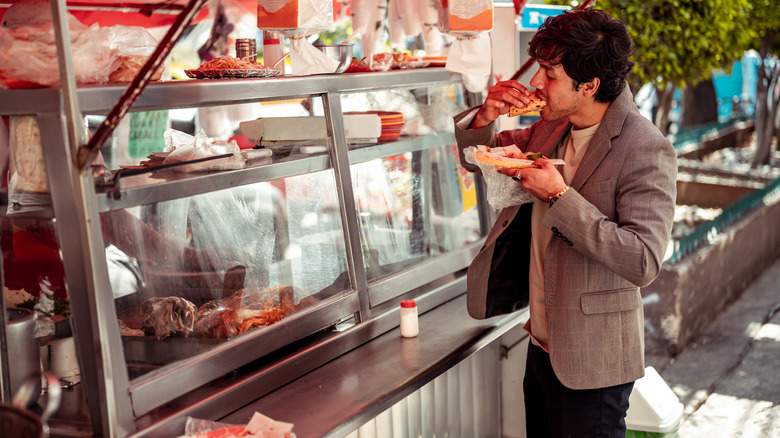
(485,135)
(632,245)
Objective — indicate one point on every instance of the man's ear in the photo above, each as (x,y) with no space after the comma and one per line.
(590,88)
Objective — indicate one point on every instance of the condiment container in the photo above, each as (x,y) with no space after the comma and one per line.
(246,48)
(273,50)
(409,323)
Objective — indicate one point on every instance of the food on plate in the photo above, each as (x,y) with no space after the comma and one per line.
(231,63)
(500,158)
(535,104)
(167,316)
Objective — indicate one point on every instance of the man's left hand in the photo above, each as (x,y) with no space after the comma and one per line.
(542,182)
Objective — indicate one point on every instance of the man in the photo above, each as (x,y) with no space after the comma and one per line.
(599,227)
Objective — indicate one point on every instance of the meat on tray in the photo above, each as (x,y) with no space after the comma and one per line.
(217,319)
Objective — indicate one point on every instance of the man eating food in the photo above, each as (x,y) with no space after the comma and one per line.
(595,234)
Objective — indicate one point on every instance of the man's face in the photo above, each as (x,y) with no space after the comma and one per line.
(557,88)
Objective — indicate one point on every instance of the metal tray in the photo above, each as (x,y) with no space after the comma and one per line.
(232,74)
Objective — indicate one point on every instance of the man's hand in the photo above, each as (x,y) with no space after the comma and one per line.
(542,182)
(500,97)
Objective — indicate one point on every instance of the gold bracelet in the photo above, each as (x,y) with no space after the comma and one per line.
(551,200)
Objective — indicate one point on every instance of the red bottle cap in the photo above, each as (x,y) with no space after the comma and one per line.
(408,303)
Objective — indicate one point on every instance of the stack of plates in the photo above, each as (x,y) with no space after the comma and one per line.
(392,123)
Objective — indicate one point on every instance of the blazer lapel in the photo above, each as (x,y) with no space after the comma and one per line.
(599,147)
(550,136)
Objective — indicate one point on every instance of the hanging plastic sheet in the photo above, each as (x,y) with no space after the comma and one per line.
(298,19)
(429,27)
(471,54)
(100,54)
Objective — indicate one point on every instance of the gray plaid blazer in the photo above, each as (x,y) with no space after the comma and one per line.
(610,234)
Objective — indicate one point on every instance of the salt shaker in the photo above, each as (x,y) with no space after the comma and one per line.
(409,324)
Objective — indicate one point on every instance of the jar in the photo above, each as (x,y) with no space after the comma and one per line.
(409,323)
(246,48)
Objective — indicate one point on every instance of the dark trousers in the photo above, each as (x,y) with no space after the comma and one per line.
(553,410)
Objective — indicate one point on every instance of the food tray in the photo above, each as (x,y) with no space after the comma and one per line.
(232,73)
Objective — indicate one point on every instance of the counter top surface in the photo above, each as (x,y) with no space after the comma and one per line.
(341,395)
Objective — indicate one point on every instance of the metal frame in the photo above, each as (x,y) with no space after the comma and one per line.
(123,407)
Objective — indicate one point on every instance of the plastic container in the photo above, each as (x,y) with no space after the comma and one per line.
(654,410)
(409,321)
(273,50)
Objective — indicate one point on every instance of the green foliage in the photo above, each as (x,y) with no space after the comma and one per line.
(679,42)
(766,17)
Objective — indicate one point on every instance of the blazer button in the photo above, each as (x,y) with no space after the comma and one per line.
(504,224)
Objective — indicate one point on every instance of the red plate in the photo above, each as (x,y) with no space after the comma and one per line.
(389,136)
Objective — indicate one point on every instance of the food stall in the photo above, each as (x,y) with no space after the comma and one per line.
(219,284)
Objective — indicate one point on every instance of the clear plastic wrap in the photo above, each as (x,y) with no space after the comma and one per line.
(466,18)
(502,190)
(470,54)
(259,426)
(183,147)
(298,19)
(133,45)
(30,54)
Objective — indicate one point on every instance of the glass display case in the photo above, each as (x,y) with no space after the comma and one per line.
(197,287)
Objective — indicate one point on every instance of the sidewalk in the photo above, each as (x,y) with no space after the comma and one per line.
(729,378)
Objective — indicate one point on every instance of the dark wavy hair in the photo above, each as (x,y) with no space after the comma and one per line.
(589,43)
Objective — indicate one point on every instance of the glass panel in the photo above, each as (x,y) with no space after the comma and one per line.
(190,273)
(139,140)
(419,204)
(413,207)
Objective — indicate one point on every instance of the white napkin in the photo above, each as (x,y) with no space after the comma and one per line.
(183,147)
(265,427)
(471,56)
(306,59)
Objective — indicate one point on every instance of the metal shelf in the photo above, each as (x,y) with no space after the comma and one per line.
(98,99)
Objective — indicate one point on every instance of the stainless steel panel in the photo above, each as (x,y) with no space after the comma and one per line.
(462,402)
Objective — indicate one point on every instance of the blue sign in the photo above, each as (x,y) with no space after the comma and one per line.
(534,15)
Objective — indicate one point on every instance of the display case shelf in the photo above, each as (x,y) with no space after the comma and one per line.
(405,231)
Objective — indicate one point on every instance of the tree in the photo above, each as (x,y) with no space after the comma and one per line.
(766,14)
(678,42)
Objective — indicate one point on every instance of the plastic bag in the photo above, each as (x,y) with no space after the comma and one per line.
(466,18)
(502,190)
(259,426)
(182,147)
(133,45)
(471,53)
(29,54)
(298,19)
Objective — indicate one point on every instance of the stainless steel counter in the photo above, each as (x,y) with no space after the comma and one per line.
(340,396)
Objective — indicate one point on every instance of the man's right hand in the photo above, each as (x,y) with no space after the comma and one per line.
(500,97)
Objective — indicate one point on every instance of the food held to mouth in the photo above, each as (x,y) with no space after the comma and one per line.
(535,104)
